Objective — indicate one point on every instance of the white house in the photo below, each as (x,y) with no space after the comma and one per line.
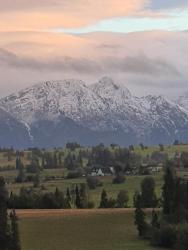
(97,172)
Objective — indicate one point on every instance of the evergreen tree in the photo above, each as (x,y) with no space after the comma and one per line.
(77,201)
(83,196)
(155,220)
(149,198)
(3,216)
(59,199)
(168,191)
(104,200)
(55,160)
(14,232)
(140,216)
(18,162)
(21,174)
(36,180)
(68,199)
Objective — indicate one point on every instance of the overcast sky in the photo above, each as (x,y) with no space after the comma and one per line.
(141,43)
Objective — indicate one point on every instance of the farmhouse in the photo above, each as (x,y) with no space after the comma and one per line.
(97,171)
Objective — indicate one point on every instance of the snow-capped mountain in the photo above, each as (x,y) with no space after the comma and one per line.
(52,113)
(183,101)
(12,132)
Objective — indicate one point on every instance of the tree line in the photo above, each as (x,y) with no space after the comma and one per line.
(9,233)
(168,228)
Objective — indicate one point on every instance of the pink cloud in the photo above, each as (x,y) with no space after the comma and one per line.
(44,14)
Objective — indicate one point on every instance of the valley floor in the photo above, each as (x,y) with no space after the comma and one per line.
(96,229)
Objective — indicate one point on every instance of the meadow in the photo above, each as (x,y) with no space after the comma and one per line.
(132,184)
(52,178)
(95,229)
(82,230)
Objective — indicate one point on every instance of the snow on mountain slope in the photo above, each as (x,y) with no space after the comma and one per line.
(50,99)
(103,107)
(183,101)
(12,132)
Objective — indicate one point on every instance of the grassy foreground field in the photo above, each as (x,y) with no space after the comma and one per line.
(80,230)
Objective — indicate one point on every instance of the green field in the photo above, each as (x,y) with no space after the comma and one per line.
(89,231)
(131,185)
(170,150)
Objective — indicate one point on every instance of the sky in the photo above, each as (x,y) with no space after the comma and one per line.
(140,43)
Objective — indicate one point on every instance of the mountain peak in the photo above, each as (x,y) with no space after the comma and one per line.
(108,89)
(106,107)
(183,100)
(107,81)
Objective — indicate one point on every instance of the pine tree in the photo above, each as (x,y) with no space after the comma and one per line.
(36,180)
(3,216)
(55,160)
(168,191)
(140,216)
(149,198)
(104,200)
(155,220)
(14,232)
(68,199)
(83,196)
(21,174)
(18,163)
(59,199)
(78,201)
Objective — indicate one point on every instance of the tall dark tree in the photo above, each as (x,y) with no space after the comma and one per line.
(18,162)
(155,219)
(140,216)
(14,232)
(78,200)
(104,200)
(68,199)
(168,191)
(21,173)
(55,159)
(3,216)
(148,195)
(83,196)
(59,199)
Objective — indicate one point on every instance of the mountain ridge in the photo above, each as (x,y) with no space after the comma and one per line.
(105,107)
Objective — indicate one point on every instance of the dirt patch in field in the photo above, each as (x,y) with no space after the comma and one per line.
(38,213)
(66,212)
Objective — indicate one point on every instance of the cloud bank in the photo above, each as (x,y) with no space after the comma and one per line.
(32,50)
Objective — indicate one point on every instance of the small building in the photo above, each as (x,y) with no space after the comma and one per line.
(97,172)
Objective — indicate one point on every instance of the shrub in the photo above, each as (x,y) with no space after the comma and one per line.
(164,237)
(91,204)
(122,199)
(74,174)
(182,237)
(93,182)
(120,178)
(111,203)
